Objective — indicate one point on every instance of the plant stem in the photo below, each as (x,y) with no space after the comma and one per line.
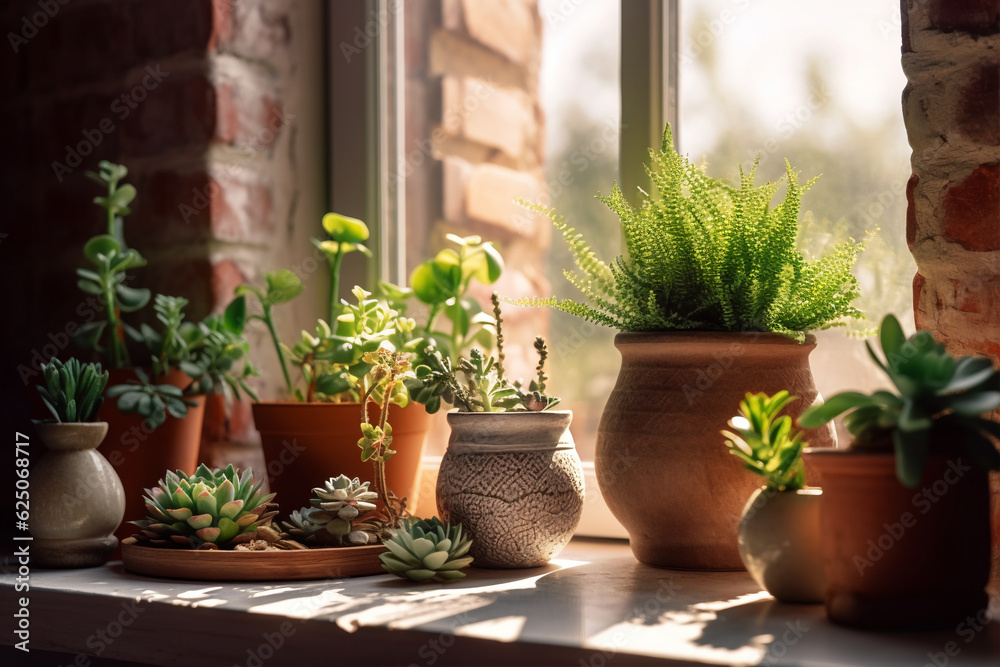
(380,455)
(335,286)
(277,346)
(117,351)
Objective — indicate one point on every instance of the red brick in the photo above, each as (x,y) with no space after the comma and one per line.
(911,211)
(976,17)
(226,277)
(222,20)
(159,214)
(972,210)
(163,28)
(979,114)
(179,112)
(260,31)
(247,117)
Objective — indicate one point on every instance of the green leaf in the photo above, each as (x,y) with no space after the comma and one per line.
(976,404)
(344,229)
(282,286)
(484,264)
(891,337)
(89,287)
(426,286)
(235,317)
(332,384)
(818,415)
(912,448)
(100,245)
(131,299)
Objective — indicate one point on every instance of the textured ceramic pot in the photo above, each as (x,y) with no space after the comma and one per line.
(661,463)
(515,482)
(898,558)
(779,543)
(77,500)
(307,443)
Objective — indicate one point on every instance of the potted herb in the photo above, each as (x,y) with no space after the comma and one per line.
(511,468)
(77,500)
(905,509)
(713,299)
(778,535)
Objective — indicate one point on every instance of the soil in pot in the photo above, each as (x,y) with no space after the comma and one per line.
(898,558)
(660,461)
(307,443)
(515,483)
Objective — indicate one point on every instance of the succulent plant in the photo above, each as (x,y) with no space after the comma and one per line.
(767,444)
(427,550)
(73,392)
(336,515)
(935,391)
(211,509)
(150,401)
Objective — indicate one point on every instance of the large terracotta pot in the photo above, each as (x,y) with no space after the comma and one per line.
(515,483)
(661,463)
(307,443)
(77,501)
(780,545)
(899,558)
(141,456)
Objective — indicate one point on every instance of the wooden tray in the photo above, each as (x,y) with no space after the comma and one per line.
(218,565)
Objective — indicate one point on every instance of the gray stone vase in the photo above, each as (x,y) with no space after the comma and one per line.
(77,500)
(514,481)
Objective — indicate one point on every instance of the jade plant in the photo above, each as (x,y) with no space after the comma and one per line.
(73,392)
(427,550)
(339,515)
(701,254)
(479,382)
(768,444)
(940,401)
(211,509)
(344,235)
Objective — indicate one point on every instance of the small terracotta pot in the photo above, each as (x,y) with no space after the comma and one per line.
(307,443)
(77,500)
(779,542)
(661,463)
(141,456)
(898,558)
(515,483)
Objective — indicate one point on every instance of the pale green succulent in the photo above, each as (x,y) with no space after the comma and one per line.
(334,518)
(427,550)
(211,509)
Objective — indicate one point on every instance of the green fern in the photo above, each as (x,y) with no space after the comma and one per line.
(704,255)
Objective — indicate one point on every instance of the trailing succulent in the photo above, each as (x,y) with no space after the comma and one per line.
(73,392)
(704,255)
(211,509)
(767,444)
(337,516)
(935,394)
(427,550)
(484,385)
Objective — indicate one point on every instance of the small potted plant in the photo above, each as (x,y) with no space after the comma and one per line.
(77,500)
(905,510)
(713,298)
(778,535)
(511,468)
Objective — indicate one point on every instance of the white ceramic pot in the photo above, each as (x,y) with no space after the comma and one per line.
(779,543)
(514,481)
(77,500)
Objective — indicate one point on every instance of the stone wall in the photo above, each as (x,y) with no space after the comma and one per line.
(951,106)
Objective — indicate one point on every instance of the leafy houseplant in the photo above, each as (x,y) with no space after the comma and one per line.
(72,524)
(713,299)
(908,501)
(778,535)
(511,466)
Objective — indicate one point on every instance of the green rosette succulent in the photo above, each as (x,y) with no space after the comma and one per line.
(211,509)
(335,518)
(427,550)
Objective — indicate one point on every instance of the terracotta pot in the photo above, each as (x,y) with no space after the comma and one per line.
(515,483)
(307,443)
(661,463)
(77,501)
(779,542)
(141,456)
(903,558)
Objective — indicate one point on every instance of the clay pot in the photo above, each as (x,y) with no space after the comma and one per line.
(307,443)
(779,543)
(141,456)
(900,558)
(515,482)
(661,463)
(77,500)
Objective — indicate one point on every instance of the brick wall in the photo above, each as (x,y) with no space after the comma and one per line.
(951,107)
(206,103)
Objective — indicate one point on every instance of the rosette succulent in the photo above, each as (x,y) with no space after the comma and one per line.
(335,518)
(211,509)
(427,550)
